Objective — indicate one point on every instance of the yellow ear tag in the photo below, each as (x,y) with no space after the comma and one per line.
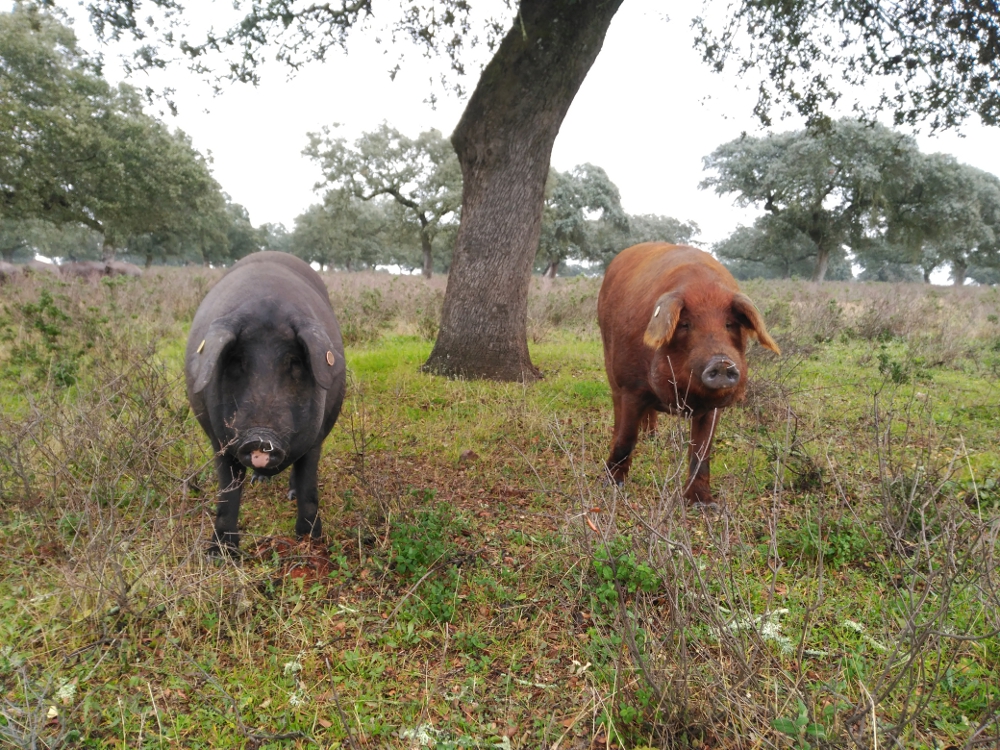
(656,311)
(329,358)
(201,346)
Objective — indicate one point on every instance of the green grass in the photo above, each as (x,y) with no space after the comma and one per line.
(480,585)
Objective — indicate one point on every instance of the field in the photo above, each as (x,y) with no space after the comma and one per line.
(480,585)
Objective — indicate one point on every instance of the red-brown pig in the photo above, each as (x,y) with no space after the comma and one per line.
(675,327)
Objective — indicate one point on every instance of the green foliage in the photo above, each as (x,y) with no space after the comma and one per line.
(892,369)
(419,178)
(938,67)
(838,542)
(858,186)
(45,342)
(617,566)
(570,229)
(800,729)
(76,151)
(363,318)
(421,555)
(822,188)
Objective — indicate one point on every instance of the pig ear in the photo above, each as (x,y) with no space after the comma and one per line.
(220,334)
(324,363)
(663,321)
(744,307)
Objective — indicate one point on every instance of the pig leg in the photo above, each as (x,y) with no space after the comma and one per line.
(231,474)
(697,490)
(630,413)
(304,485)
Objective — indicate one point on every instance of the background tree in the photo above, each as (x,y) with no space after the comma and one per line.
(582,215)
(655,228)
(217,232)
(21,240)
(827,184)
(242,237)
(949,213)
(773,249)
(944,62)
(421,175)
(73,150)
(276,237)
(343,232)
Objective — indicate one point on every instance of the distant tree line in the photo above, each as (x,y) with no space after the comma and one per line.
(86,174)
(393,200)
(850,193)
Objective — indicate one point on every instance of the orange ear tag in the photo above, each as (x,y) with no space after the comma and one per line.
(201,346)
(330,359)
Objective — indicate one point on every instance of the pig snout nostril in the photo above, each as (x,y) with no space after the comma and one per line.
(721,373)
(259,451)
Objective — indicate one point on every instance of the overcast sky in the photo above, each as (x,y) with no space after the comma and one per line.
(648,112)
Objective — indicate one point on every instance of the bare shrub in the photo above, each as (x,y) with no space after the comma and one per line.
(564,304)
(690,617)
(939,325)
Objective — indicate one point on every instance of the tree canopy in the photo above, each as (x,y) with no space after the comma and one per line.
(76,151)
(420,174)
(925,61)
(343,232)
(855,188)
(583,218)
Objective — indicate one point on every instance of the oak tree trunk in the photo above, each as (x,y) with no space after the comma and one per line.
(959,270)
(552,269)
(822,261)
(425,248)
(107,251)
(504,142)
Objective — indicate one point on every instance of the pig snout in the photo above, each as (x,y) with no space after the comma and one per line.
(260,449)
(720,373)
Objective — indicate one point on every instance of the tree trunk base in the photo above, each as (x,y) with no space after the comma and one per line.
(494,366)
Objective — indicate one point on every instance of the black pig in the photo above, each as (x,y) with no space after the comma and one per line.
(266,378)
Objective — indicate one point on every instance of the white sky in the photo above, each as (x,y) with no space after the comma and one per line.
(648,112)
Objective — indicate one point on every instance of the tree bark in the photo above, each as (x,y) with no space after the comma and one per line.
(425,248)
(504,142)
(959,270)
(107,251)
(552,269)
(822,262)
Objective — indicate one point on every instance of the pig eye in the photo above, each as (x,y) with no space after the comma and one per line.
(684,325)
(234,367)
(295,364)
(732,325)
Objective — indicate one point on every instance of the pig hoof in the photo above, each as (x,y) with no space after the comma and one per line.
(256,478)
(293,495)
(228,546)
(219,552)
(610,481)
(309,529)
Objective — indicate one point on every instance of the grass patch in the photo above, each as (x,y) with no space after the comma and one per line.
(480,585)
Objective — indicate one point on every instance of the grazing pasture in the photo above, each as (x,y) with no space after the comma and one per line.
(480,585)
